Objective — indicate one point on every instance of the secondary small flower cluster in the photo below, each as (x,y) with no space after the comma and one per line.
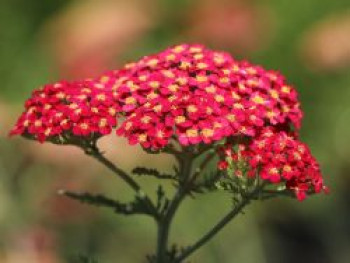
(80,108)
(276,156)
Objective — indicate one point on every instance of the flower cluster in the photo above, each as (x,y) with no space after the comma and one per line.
(277,157)
(201,96)
(81,109)
(190,94)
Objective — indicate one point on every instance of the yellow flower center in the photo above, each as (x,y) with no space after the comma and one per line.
(180,119)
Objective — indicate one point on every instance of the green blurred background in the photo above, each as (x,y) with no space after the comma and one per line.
(42,41)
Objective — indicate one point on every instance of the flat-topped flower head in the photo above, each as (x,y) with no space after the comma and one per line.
(198,95)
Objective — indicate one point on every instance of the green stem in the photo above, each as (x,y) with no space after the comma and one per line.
(165,221)
(96,154)
(219,226)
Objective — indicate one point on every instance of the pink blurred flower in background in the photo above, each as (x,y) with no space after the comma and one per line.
(32,245)
(238,25)
(88,36)
(326,44)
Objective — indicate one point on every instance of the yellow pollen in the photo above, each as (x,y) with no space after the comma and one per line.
(251,71)
(191,133)
(301,149)
(209,110)
(217,125)
(103,122)
(286,89)
(178,49)
(129,65)
(219,98)
(73,106)
(130,100)
(192,108)
(185,65)
(172,98)
(285,109)
(270,114)
(241,87)
(101,97)
(84,126)
(157,108)
(154,84)
(143,77)
(207,132)
(272,76)
(235,95)
(131,85)
(231,117)
(181,80)
(201,78)
(210,89)
(60,95)
(297,156)
(273,170)
(238,106)
(86,90)
(152,95)
(145,119)
(253,82)
(152,62)
(261,144)
(99,86)
(47,131)
(202,65)
(225,80)
(104,79)
(94,110)
(26,123)
(180,119)
(258,99)
(287,168)
(219,60)
(274,94)
(226,71)
(128,125)
(47,107)
(63,122)
(112,111)
(77,111)
(160,134)
(82,97)
(31,110)
(170,57)
(195,49)
(198,56)
(235,68)
(168,74)
(173,87)
(142,137)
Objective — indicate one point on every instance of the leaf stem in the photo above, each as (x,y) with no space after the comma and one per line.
(94,152)
(219,226)
(165,221)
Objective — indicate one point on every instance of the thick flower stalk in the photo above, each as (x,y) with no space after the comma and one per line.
(197,104)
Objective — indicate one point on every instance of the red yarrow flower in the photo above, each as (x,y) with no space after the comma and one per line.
(280,158)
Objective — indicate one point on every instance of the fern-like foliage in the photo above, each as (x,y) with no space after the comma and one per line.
(131,208)
(152,172)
